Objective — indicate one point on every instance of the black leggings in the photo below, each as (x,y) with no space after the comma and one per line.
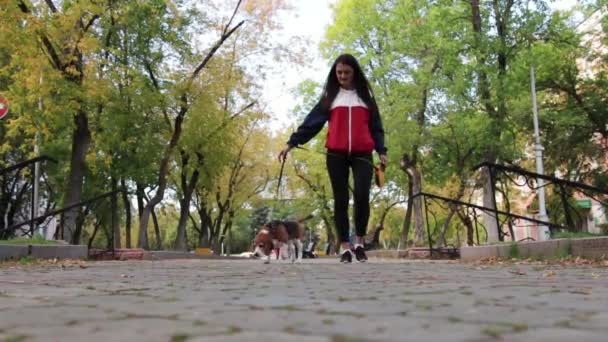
(338,166)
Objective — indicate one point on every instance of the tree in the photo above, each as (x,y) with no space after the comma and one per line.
(183,102)
(65,39)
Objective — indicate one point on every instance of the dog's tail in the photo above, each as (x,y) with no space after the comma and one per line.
(304,219)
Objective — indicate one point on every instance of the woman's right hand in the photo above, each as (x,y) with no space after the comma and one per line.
(283,153)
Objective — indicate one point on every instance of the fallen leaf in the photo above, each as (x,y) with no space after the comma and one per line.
(582,291)
(517,272)
(549,274)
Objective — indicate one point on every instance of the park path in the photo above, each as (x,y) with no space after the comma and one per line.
(319,300)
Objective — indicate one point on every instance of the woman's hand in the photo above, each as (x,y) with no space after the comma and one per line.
(283,153)
(383,159)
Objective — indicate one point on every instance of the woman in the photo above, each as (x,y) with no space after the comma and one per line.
(355,130)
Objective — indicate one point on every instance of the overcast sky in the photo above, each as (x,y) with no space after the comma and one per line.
(310,19)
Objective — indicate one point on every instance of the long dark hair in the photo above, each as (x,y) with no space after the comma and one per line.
(360,83)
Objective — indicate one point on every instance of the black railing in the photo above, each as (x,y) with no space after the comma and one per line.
(95,199)
(17,169)
(499,172)
(26,163)
(473,210)
(35,220)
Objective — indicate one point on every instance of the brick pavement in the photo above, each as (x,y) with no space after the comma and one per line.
(320,300)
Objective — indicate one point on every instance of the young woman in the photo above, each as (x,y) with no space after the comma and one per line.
(355,130)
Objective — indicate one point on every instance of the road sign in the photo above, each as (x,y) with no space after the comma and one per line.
(3,107)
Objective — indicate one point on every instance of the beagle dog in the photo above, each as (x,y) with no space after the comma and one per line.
(285,235)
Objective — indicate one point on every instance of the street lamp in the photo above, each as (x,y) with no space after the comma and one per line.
(543,230)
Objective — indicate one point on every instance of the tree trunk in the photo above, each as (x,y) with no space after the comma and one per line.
(227,225)
(127,204)
(139,192)
(184,211)
(408,165)
(80,144)
(441,241)
(177,132)
(115,216)
(80,223)
(407,221)
(203,238)
(142,239)
(453,207)
(466,220)
(188,190)
(159,239)
(419,234)
(332,241)
(489,218)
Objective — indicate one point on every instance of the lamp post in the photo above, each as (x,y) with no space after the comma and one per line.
(543,230)
(35,200)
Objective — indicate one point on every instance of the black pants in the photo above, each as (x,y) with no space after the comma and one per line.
(338,166)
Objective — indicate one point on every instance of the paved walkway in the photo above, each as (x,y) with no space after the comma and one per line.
(320,300)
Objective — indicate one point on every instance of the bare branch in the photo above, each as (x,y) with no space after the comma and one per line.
(52,53)
(91,22)
(236,8)
(55,60)
(232,117)
(194,223)
(51,5)
(23,7)
(148,67)
(214,48)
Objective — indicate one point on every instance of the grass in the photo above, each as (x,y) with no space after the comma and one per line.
(233,330)
(454,319)
(513,251)
(37,240)
(290,329)
(564,324)
(179,338)
(492,332)
(27,260)
(328,321)
(574,235)
(17,338)
(199,323)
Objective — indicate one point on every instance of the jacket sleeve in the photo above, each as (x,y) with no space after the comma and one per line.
(377,130)
(313,123)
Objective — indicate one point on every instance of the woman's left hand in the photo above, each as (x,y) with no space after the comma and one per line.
(383,159)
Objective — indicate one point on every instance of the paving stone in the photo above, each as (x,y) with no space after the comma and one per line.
(320,300)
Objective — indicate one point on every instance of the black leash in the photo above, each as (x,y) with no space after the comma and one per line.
(280,176)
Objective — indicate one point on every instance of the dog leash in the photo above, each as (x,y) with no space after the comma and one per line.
(280,177)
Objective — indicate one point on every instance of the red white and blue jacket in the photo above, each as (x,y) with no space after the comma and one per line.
(353,127)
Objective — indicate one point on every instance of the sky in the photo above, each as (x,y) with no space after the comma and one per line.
(310,19)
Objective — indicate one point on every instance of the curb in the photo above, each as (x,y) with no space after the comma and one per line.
(11,252)
(590,248)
